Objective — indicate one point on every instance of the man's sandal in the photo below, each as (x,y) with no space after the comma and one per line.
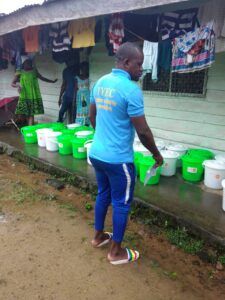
(105,242)
(132,255)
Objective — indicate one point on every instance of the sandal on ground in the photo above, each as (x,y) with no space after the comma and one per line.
(132,255)
(105,242)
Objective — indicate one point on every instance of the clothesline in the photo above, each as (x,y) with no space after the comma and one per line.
(138,36)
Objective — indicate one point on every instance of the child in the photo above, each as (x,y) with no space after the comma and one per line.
(83,95)
(30,101)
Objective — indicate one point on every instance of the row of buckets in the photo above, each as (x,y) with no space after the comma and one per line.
(195,163)
(76,140)
(72,139)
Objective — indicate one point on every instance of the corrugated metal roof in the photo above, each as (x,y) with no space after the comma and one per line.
(8,8)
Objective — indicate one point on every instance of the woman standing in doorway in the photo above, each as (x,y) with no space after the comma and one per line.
(26,81)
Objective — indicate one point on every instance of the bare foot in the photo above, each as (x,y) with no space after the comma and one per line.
(118,255)
(100,238)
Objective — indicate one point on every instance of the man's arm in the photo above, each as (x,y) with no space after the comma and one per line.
(93,114)
(62,90)
(146,137)
(45,79)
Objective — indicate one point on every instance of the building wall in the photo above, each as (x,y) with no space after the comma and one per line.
(197,122)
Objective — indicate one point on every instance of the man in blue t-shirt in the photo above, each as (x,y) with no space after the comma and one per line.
(117,110)
(67,92)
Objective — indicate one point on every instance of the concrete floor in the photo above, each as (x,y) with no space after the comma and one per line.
(193,204)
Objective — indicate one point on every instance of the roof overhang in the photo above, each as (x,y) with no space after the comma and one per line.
(58,11)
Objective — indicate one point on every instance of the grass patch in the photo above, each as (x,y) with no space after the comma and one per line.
(221,259)
(68,206)
(180,238)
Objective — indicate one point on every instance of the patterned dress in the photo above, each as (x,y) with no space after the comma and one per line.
(30,101)
(83,101)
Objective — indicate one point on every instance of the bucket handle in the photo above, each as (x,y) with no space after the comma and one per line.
(88,142)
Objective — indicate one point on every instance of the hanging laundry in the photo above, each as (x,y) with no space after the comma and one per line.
(145,26)
(60,38)
(213,11)
(116,31)
(165,55)
(150,51)
(31,40)
(195,50)
(82,32)
(174,24)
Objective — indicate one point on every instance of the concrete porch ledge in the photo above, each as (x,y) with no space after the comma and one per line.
(191,205)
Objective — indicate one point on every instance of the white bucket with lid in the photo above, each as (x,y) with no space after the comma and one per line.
(220,157)
(88,145)
(83,133)
(161,145)
(170,162)
(214,173)
(180,149)
(223,185)
(51,140)
(73,125)
(41,136)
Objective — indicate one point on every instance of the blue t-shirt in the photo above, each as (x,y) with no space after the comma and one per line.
(117,99)
(69,77)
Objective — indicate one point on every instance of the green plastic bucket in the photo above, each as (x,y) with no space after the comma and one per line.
(65,145)
(29,134)
(205,154)
(145,163)
(192,169)
(57,126)
(137,157)
(79,149)
(68,132)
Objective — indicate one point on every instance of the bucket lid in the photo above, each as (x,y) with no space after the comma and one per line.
(176,147)
(214,164)
(169,154)
(160,144)
(220,157)
(44,130)
(73,125)
(83,133)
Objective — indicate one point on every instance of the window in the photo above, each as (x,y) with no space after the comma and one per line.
(189,84)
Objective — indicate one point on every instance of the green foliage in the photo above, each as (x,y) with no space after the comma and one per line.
(222,259)
(88,206)
(180,238)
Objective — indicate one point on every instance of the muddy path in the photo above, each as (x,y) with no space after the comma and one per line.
(45,250)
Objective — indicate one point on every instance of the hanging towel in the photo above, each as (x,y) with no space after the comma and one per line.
(59,35)
(150,51)
(31,38)
(82,32)
(194,51)
(116,31)
(174,24)
(165,55)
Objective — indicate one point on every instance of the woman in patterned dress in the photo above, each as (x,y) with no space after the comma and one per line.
(83,95)
(26,81)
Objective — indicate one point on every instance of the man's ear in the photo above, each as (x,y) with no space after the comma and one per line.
(126,62)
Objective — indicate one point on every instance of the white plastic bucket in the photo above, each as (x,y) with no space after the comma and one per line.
(170,162)
(223,185)
(214,173)
(83,133)
(73,125)
(180,149)
(88,145)
(220,157)
(161,145)
(51,140)
(41,135)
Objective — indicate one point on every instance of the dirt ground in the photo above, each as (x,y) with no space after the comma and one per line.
(45,250)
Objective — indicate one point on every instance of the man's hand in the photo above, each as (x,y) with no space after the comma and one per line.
(159,160)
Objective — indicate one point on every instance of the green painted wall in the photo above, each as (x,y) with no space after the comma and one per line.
(198,122)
